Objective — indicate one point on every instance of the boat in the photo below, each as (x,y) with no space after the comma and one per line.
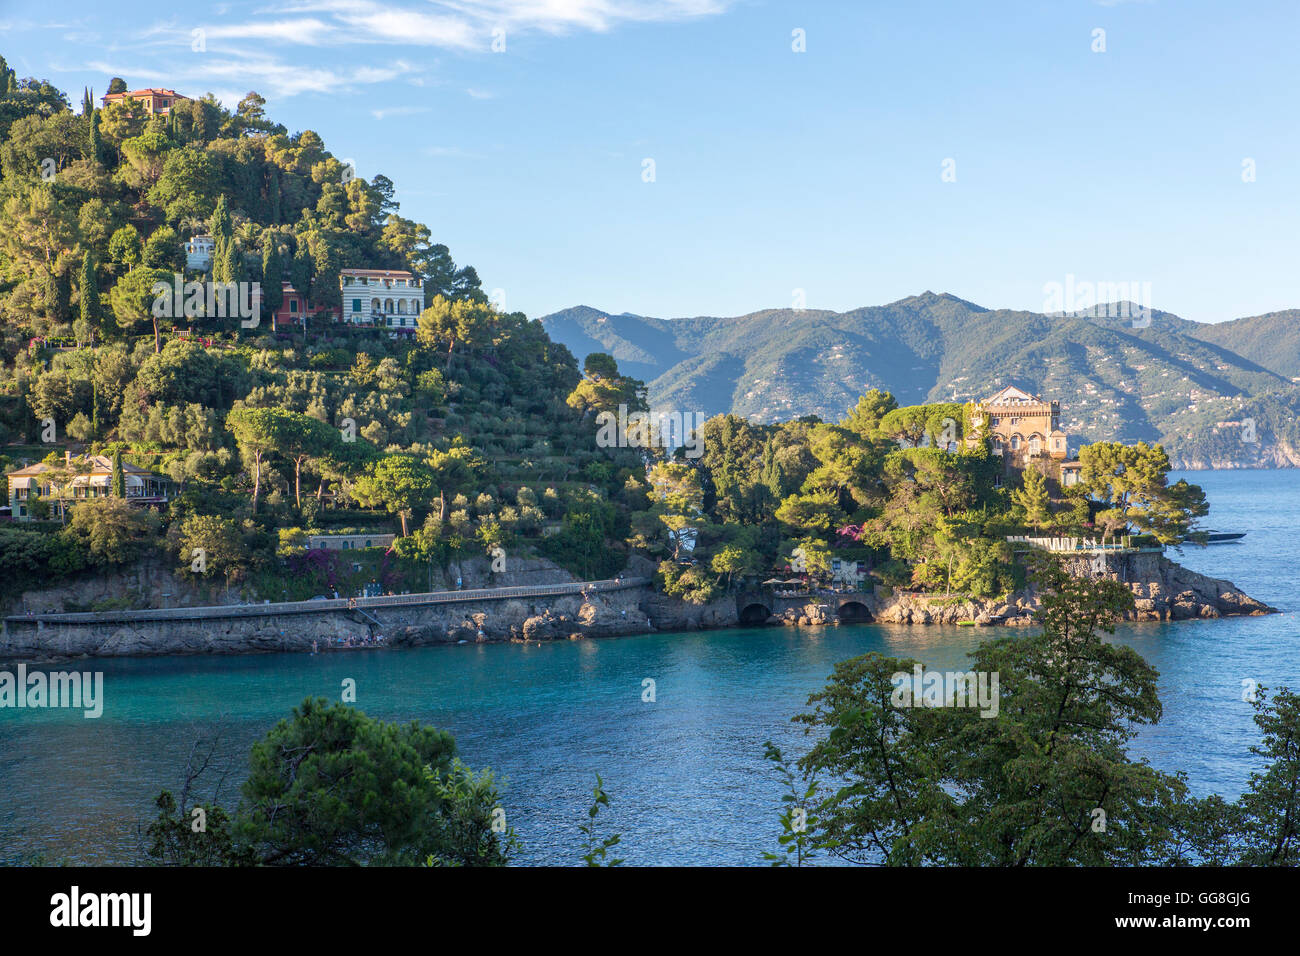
(1218,537)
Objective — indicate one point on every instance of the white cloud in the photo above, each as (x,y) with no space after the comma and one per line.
(456,24)
(248,52)
(272,77)
(398,111)
(562,16)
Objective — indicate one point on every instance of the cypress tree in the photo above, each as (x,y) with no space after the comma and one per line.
(89,283)
(301,269)
(119,476)
(273,196)
(87,102)
(96,140)
(222,231)
(232,263)
(272,274)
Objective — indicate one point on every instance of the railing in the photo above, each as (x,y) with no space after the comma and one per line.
(1069,545)
(329,604)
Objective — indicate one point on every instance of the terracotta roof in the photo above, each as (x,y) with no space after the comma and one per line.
(148,91)
(377,272)
(1012,396)
(99,465)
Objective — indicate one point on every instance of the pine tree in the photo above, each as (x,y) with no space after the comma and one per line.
(1033,497)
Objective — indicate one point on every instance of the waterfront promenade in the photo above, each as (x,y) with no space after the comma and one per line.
(329,605)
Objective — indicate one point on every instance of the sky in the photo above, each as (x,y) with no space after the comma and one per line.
(717,157)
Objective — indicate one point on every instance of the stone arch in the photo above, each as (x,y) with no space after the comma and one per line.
(853,612)
(754,613)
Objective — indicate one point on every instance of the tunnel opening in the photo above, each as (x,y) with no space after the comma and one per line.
(754,614)
(853,612)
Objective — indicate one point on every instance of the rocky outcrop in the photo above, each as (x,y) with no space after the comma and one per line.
(1166,591)
(670,614)
(1162,590)
(1018,611)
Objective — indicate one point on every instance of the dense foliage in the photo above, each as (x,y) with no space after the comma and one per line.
(1048,781)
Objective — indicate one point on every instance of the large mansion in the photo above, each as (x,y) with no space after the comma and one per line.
(382,297)
(155,102)
(376,298)
(1021,428)
(90,477)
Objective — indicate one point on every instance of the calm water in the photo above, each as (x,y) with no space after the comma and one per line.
(686,773)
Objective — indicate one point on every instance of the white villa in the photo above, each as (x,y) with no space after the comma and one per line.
(198,253)
(349,542)
(93,479)
(382,297)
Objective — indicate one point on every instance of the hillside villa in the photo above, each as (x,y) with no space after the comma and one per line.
(382,297)
(156,102)
(296,309)
(93,478)
(1023,428)
(374,298)
(198,253)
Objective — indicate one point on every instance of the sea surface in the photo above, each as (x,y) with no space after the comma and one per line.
(685,772)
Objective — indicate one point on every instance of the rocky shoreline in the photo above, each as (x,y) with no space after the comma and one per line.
(1163,591)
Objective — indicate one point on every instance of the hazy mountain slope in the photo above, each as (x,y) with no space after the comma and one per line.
(1162,382)
(1271,340)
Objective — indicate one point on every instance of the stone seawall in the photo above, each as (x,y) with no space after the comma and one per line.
(1163,591)
(635,610)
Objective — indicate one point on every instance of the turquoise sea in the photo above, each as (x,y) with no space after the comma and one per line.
(686,773)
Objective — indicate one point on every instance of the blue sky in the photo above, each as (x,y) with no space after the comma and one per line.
(775,170)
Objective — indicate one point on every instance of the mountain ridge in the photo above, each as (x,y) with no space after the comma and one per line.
(1165,378)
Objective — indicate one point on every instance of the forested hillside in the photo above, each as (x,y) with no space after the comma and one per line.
(477,432)
(1170,381)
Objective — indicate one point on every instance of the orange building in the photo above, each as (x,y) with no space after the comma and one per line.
(155,102)
(1020,427)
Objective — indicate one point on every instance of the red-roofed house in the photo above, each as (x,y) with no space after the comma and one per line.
(297,309)
(155,101)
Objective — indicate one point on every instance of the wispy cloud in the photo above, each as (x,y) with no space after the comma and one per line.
(251,50)
(398,111)
(264,72)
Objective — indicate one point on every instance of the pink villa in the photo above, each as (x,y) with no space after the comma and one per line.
(296,309)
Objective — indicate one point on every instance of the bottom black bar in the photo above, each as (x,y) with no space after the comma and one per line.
(336,906)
